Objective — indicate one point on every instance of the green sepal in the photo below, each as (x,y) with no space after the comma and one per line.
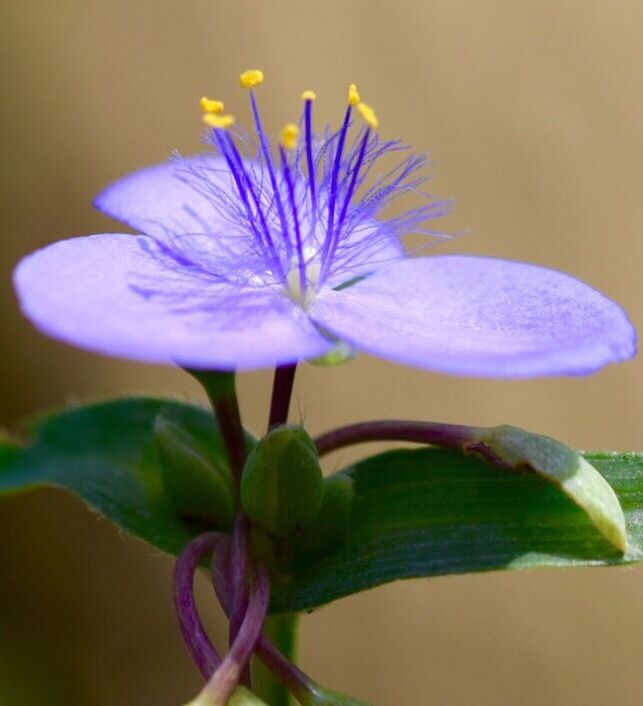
(282,485)
(329,528)
(197,480)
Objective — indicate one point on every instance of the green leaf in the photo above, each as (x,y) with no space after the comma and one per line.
(574,475)
(108,454)
(431,512)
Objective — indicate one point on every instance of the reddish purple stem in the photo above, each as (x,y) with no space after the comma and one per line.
(281,395)
(198,643)
(451,436)
(226,677)
(289,674)
(238,572)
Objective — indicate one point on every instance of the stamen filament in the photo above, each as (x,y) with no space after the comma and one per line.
(349,195)
(301,264)
(272,252)
(308,118)
(265,148)
(235,165)
(332,198)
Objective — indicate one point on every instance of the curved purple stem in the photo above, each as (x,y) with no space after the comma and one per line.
(196,639)
(293,678)
(226,677)
(238,576)
(450,436)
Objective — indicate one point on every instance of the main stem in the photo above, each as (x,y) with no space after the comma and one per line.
(279,631)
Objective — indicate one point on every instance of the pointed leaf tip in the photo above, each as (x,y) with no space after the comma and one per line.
(519,449)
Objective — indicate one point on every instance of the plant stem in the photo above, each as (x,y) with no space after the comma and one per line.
(196,639)
(239,583)
(226,677)
(281,631)
(451,436)
(281,394)
(221,390)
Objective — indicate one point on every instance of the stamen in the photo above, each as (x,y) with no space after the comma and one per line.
(251,78)
(289,136)
(248,80)
(332,197)
(242,180)
(335,237)
(218,121)
(353,95)
(211,106)
(301,264)
(368,114)
(309,97)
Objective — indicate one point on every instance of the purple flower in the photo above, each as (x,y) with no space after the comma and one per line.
(255,255)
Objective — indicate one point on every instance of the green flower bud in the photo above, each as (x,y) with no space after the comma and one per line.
(282,486)
(199,488)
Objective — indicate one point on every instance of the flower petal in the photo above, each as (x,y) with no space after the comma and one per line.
(479,316)
(110,294)
(165,198)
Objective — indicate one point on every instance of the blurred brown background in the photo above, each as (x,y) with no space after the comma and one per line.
(532,111)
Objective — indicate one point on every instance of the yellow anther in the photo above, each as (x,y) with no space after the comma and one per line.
(251,78)
(289,136)
(353,95)
(210,106)
(218,121)
(308,95)
(368,114)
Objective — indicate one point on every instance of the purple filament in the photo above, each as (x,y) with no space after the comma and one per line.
(293,206)
(265,147)
(334,235)
(308,118)
(332,196)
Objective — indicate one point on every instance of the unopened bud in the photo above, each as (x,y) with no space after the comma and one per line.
(197,486)
(282,486)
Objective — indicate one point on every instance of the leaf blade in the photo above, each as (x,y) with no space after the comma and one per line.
(106,453)
(432,512)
